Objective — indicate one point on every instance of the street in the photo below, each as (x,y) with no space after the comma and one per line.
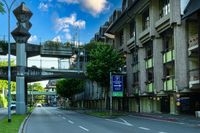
(53,120)
(3,113)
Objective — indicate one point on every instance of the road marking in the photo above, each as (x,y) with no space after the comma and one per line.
(70,121)
(162,132)
(64,118)
(144,128)
(157,119)
(84,128)
(123,123)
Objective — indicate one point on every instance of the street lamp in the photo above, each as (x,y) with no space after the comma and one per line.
(9,68)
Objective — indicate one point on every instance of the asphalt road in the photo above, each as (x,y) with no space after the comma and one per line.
(3,113)
(53,120)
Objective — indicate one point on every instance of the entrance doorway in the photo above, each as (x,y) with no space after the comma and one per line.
(165,104)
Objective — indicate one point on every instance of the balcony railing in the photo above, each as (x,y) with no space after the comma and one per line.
(168,56)
(169,83)
(149,87)
(149,63)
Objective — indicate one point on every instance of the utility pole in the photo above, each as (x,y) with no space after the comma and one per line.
(9,68)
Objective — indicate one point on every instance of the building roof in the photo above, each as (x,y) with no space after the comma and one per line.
(112,27)
(192,7)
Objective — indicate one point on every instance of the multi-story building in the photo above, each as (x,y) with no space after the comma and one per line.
(154,38)
(51,87)
(160,39)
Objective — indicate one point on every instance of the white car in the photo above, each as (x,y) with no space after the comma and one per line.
(13,105)
(38,105)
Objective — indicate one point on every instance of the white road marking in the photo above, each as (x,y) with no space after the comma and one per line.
(123,123)
(162,132)
(84,128)
(64,118)
(70,121)
(144,128)
(157,119)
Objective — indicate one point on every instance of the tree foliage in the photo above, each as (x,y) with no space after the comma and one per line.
(69,87)
(103,60)
(1,8)
(37,87)
(4,83)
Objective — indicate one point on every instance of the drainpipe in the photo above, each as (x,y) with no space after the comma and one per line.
(199,40)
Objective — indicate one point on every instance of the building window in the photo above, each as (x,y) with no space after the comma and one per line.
(150,75)
(164,8)
(169,71)
(132,29)
(121,37)
(149,51)
(168,41)
(145,19)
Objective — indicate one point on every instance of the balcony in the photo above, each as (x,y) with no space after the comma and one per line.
(149,87)
(169,83)
(194,82)
(193,45)
(149,63)
(168,56)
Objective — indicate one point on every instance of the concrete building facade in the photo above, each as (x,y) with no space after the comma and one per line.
(161,45)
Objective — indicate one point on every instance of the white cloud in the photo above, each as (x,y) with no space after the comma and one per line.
(57,39)
(32,39)
(94,7)
(68,36)
(43,7)
(62,25)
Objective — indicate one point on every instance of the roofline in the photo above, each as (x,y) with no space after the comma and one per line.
(125,12)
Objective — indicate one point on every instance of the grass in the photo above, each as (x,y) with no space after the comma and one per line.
(106,114)
(12,127)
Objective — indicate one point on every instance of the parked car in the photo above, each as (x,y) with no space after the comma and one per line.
(38,105)
(13,105)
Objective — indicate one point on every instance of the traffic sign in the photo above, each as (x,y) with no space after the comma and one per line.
(117,85)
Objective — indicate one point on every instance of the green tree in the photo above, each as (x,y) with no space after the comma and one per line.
(4,83)
(37,87)
(1,8)
(69,87)
(103,60)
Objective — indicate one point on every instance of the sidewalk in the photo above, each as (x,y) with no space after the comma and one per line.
(189,119)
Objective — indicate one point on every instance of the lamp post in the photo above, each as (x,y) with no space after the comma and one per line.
(9,68)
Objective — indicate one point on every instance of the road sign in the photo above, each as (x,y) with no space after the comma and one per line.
(117,85)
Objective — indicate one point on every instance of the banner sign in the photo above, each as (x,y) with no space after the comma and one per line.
(117,85)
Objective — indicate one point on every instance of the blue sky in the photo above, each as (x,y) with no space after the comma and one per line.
(61,19)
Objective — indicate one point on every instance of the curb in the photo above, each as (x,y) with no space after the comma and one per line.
(21,129)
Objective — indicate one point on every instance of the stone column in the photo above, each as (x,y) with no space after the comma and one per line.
(20,79)
(158,64)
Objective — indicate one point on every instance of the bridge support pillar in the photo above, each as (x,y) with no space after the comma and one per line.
(20,97)
(20,79)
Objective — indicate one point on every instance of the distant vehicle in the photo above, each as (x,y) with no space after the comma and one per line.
(13,105)
(38,105)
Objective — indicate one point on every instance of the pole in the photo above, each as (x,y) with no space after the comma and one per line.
(110,93)
(32,95)
(9,68)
